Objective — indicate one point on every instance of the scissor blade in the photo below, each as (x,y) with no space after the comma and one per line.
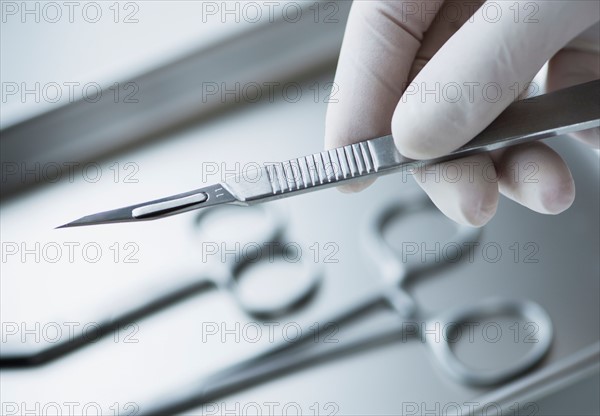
(159,208)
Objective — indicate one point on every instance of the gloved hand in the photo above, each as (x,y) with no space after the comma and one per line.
(436,73)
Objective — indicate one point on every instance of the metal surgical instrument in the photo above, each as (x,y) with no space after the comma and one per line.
(389,291)
(561,112)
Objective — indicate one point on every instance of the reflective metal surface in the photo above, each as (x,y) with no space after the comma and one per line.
(174,349)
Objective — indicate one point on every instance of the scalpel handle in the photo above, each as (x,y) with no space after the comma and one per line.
(561,112)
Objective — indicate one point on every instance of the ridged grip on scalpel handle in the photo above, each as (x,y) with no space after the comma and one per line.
(316,171)
(321,168)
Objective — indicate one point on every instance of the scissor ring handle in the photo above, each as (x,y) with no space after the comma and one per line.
(393,270)
(311,278)
(275,236)
(452,319)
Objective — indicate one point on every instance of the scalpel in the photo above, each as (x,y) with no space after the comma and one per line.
(565,111)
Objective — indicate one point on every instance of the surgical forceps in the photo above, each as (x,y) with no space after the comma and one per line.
(390,293)
(266,228)
(561,112)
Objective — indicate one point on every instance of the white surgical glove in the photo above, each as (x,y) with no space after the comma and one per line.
(436,73)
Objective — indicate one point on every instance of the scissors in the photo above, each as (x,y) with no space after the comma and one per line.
(560,112)
(265,230)
(389,292)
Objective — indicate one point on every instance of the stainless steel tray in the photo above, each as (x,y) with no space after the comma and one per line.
(166,352)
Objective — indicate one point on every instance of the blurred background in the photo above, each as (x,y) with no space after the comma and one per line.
(105,104)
